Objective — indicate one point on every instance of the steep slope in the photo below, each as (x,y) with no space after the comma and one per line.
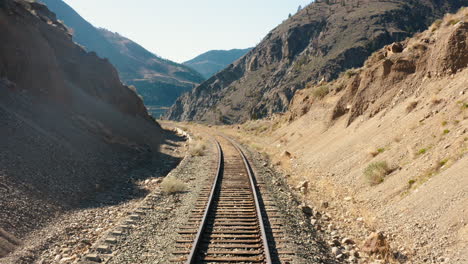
(214,61)
(70,128)
(159,81)
(317,43)
(386,145)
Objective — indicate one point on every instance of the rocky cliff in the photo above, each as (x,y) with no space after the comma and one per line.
(385,146)
(159,81)
(317,43)
(70,128)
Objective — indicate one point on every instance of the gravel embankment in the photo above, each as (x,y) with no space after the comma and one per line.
(71,235)
(154,238)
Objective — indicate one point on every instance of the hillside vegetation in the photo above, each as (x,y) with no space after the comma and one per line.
(319,42)
(385,145)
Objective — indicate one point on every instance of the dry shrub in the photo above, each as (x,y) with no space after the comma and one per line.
(375,172)
(171,185)
(436,100)
(436,25)
(373,152)
(351,72)
(376,152)
(411,106)
(198,149)
(321,91)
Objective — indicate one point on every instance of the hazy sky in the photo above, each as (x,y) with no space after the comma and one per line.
(180,30)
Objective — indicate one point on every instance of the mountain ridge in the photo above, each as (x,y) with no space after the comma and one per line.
(211,62)
(317,43)
(158,80)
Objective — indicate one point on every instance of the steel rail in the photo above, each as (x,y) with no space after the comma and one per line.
(193,252)
(257,204)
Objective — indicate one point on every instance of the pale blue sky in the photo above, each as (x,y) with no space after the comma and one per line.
(180,30)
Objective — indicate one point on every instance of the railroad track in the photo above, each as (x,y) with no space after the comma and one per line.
(230,222)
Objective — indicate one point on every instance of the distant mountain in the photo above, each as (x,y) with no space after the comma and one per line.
(211,62)
(159,81)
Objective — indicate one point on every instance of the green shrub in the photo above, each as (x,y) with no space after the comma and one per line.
(375,172)
(446,131)
(422,151)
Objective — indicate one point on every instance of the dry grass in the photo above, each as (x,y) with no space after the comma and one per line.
(376,152)
(375,172)
(321,91)
(351,72)
(171,185)
(436,25)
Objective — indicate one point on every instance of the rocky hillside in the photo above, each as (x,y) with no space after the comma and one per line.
(159,81)
(384,147)
(70,128)
(319,42)
(213,61)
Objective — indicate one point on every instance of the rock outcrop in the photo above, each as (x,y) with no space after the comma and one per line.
(318,43)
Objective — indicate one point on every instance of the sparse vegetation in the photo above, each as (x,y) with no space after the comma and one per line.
(351,72)
(376,152)
(443,162)
(453,22)
(422,151)
(411,182)
(436,25)
(411,106)
(172,185)
(444,123)
(340,87)
(375,172)
(436,101)
(321,91)
(198,149)
(446,131)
